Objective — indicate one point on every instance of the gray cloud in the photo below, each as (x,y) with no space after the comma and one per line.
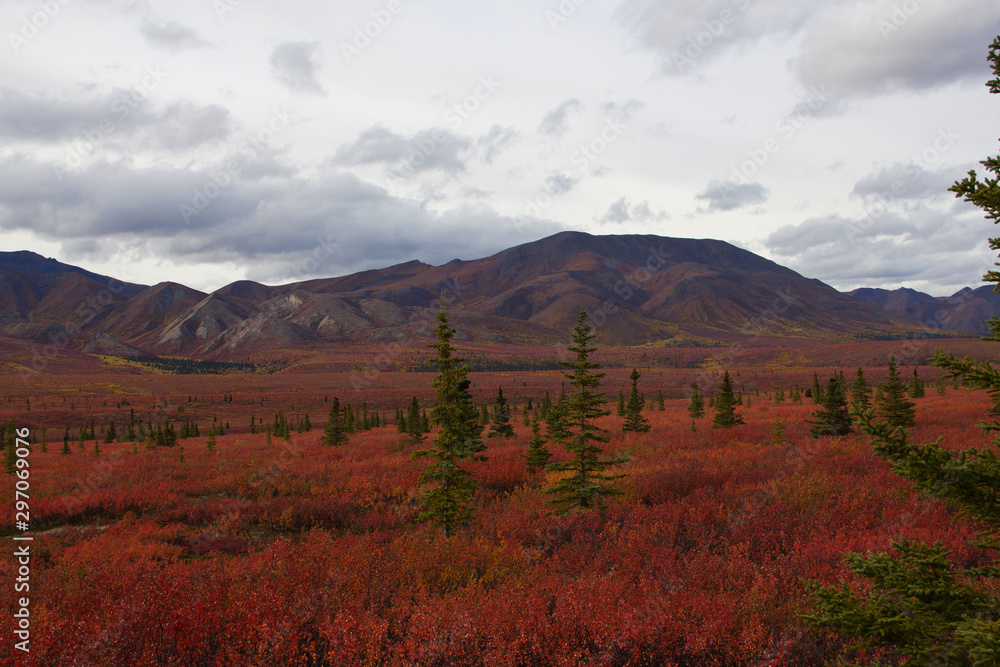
(426,150)
(726,195)
(625,111)
(558,184)
(297,65)
(856,47)
(556,122)
(111,118)
(925,247)
(687,33)
(496,140)
(622,211)
(874,48)
(271,225)
(171,36)
(907,181)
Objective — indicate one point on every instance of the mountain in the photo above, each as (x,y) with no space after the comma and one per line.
(966,310)
(638,289)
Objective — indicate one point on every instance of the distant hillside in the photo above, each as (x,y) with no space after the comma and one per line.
(966,310)
(639,290)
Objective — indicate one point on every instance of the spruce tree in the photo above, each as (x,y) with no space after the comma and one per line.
(501,418)
(415,422)
(634,419)
(917,388)
(334,434)
(696,405)
(922,608)
(725,406)
(833,417)
(620,408)
(893,405)
(659,401)
(861,392)
(586,485)
(449,501)
(537,455)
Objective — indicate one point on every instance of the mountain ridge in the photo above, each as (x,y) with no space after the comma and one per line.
(639,289)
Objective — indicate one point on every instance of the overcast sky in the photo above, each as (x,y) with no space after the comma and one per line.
(206,141)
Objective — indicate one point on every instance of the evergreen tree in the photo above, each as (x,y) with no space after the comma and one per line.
(696,405)
(892,403)
(334,433)
(620,409)
(484,415)
(917,387)
(659,400)
(817,390)
(861,392)
(778,432)
(65,447)
(586,485)
(110,434)
(922,608)
(501,418)
(634,419)
(210,443)
(725,406)
(414,422)
(449,501)
(537,455)
(833,417)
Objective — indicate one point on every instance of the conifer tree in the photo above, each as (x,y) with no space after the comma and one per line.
(634,419)
(659,400)
(696,405)
(333,433)
(501,418)
(620,409)
(725,406)
(210,441)
(892,403)
(923,609)
(861,392)
(537,455)
(65,447)
(449,501)
(414,422)
(586,485)
(917,388)
(817,390)
(833,417)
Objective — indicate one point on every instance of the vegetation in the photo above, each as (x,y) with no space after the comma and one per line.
(587,484)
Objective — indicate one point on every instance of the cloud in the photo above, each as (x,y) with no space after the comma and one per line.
(907,180)
(110,119)
(622,211)
(556,122)
(883,46)
(496,140)
(927,248)
(272,226)
(727,195)
(687,33)
(431,149)
(171,36)
(855,47)
(558,184)
(297,65)
(623,112)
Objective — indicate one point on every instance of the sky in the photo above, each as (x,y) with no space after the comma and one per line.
(208,141)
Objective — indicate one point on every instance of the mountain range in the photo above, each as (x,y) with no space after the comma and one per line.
(638,290)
